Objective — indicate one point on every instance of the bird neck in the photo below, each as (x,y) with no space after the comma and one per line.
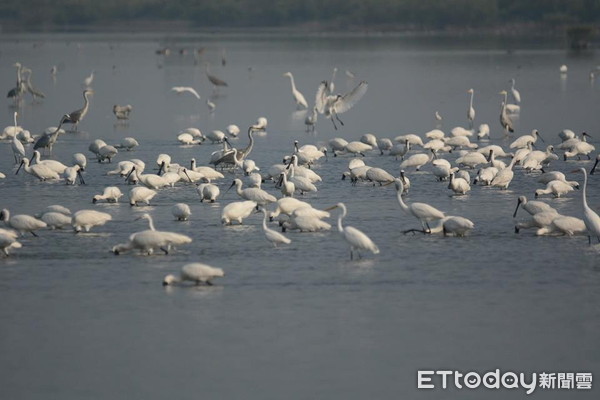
(264,224)
(471,100)
(584,194)
(339,221)
(151,223)
(292,81)
(403,205)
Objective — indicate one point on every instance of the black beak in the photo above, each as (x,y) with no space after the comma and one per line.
(81,181)
(162,166)
(22,162)
(517,209)
(594,167)
(130,172)
(186,174)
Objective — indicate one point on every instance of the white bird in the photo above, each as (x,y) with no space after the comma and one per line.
(524,140)
(87,82)
(532,207)
(460,141)
(459,185)
(210,174)
(111,194)
(435,134)
(233,130)
(54,165)
(22,223)
(298,97)
(422,211)
(565,225)
(338,145)
(181,211)
(311,120)
(56,220)
(499,165)
(8,240)
(183,89)
(505,176)
(566,134)
(211,106)
(148,240)
(96,145)
(249,166)
(287,206)
(413,140)
(379,175)
(384,144)
(357,147)
(457,226)
(590,217)
(151,181)
(272,235)
(140,195)
(370,139)
(71,174)
(563,69)
(442,169)
(187,139)
(484,131)
(515,93)
(536,159)
(301,183)
(16,145)
(471,110)
(580,148)
(400,149)
(538,220)
(498,151)
(471,159)
(237,211)
(208,191)
(216,136)
(55,208)
(107,152)
(87,219)
(41,172)
(79,159)
(505,119)
(437,116)
(256,195)
(557,188)
(357,240)
(287,188)
(486,175)
(333,105)
(305,219)
(195,272)
(418,160)
(122,112)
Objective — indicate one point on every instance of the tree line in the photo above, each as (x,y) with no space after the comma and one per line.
(35,15)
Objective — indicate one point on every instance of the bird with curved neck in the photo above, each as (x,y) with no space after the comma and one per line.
(590,217)
(357,239)
(76,116)
(298,96)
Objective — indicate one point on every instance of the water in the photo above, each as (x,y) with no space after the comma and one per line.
(302,321)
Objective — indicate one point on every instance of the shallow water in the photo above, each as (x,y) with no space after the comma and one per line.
(302,321)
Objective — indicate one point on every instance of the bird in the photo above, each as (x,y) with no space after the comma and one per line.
(22,223)
(557,188)
(301,183)
(194,272)
(418,160)
(580,148)
(107,152)
(181,211)
(379,175)
(41,172)
(209,173)
(140,195)
(29,86)
(127,143)
(16,145)
(272,236)
(111,194)
(211,106)
(184,89)
(505,120)
(216,82)
(87,219)
(287,187)
(306,219)
(505,176)
(47,140)
(71,174)
(148,240)
(590,217)
(8,240)
(237,211)
(357,239)
(75,117)
(87,82)
(56,220)
(79,159)
(523,141)
(471,110)
(515,93)
(333,105)
(311,120)
(256,195)
(532,207)
(595,165)
(458,185)
(298,96)
(122,112)
(565,225)
(208,191)
(54,165)
(422,211)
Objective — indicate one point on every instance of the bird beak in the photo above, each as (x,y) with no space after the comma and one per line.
(130,172)
(541,138)
(594,167)
(517,209)
(186,174)
(162,165)
(229,188)
(331,208)
(80,177)
(20,165)
(280,181)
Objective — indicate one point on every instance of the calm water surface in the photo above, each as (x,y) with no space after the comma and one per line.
(301,321)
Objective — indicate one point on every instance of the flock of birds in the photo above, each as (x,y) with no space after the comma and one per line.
(295,176)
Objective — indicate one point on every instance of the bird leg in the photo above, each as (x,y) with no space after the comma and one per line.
(35,234)
(165,250)
(414,230)
(209,283)
(351,254)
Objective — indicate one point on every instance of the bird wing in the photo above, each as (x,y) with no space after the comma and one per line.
(181,89)
(348,100)
(321,97)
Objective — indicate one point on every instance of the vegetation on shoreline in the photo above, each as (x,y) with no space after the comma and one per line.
(35,15)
